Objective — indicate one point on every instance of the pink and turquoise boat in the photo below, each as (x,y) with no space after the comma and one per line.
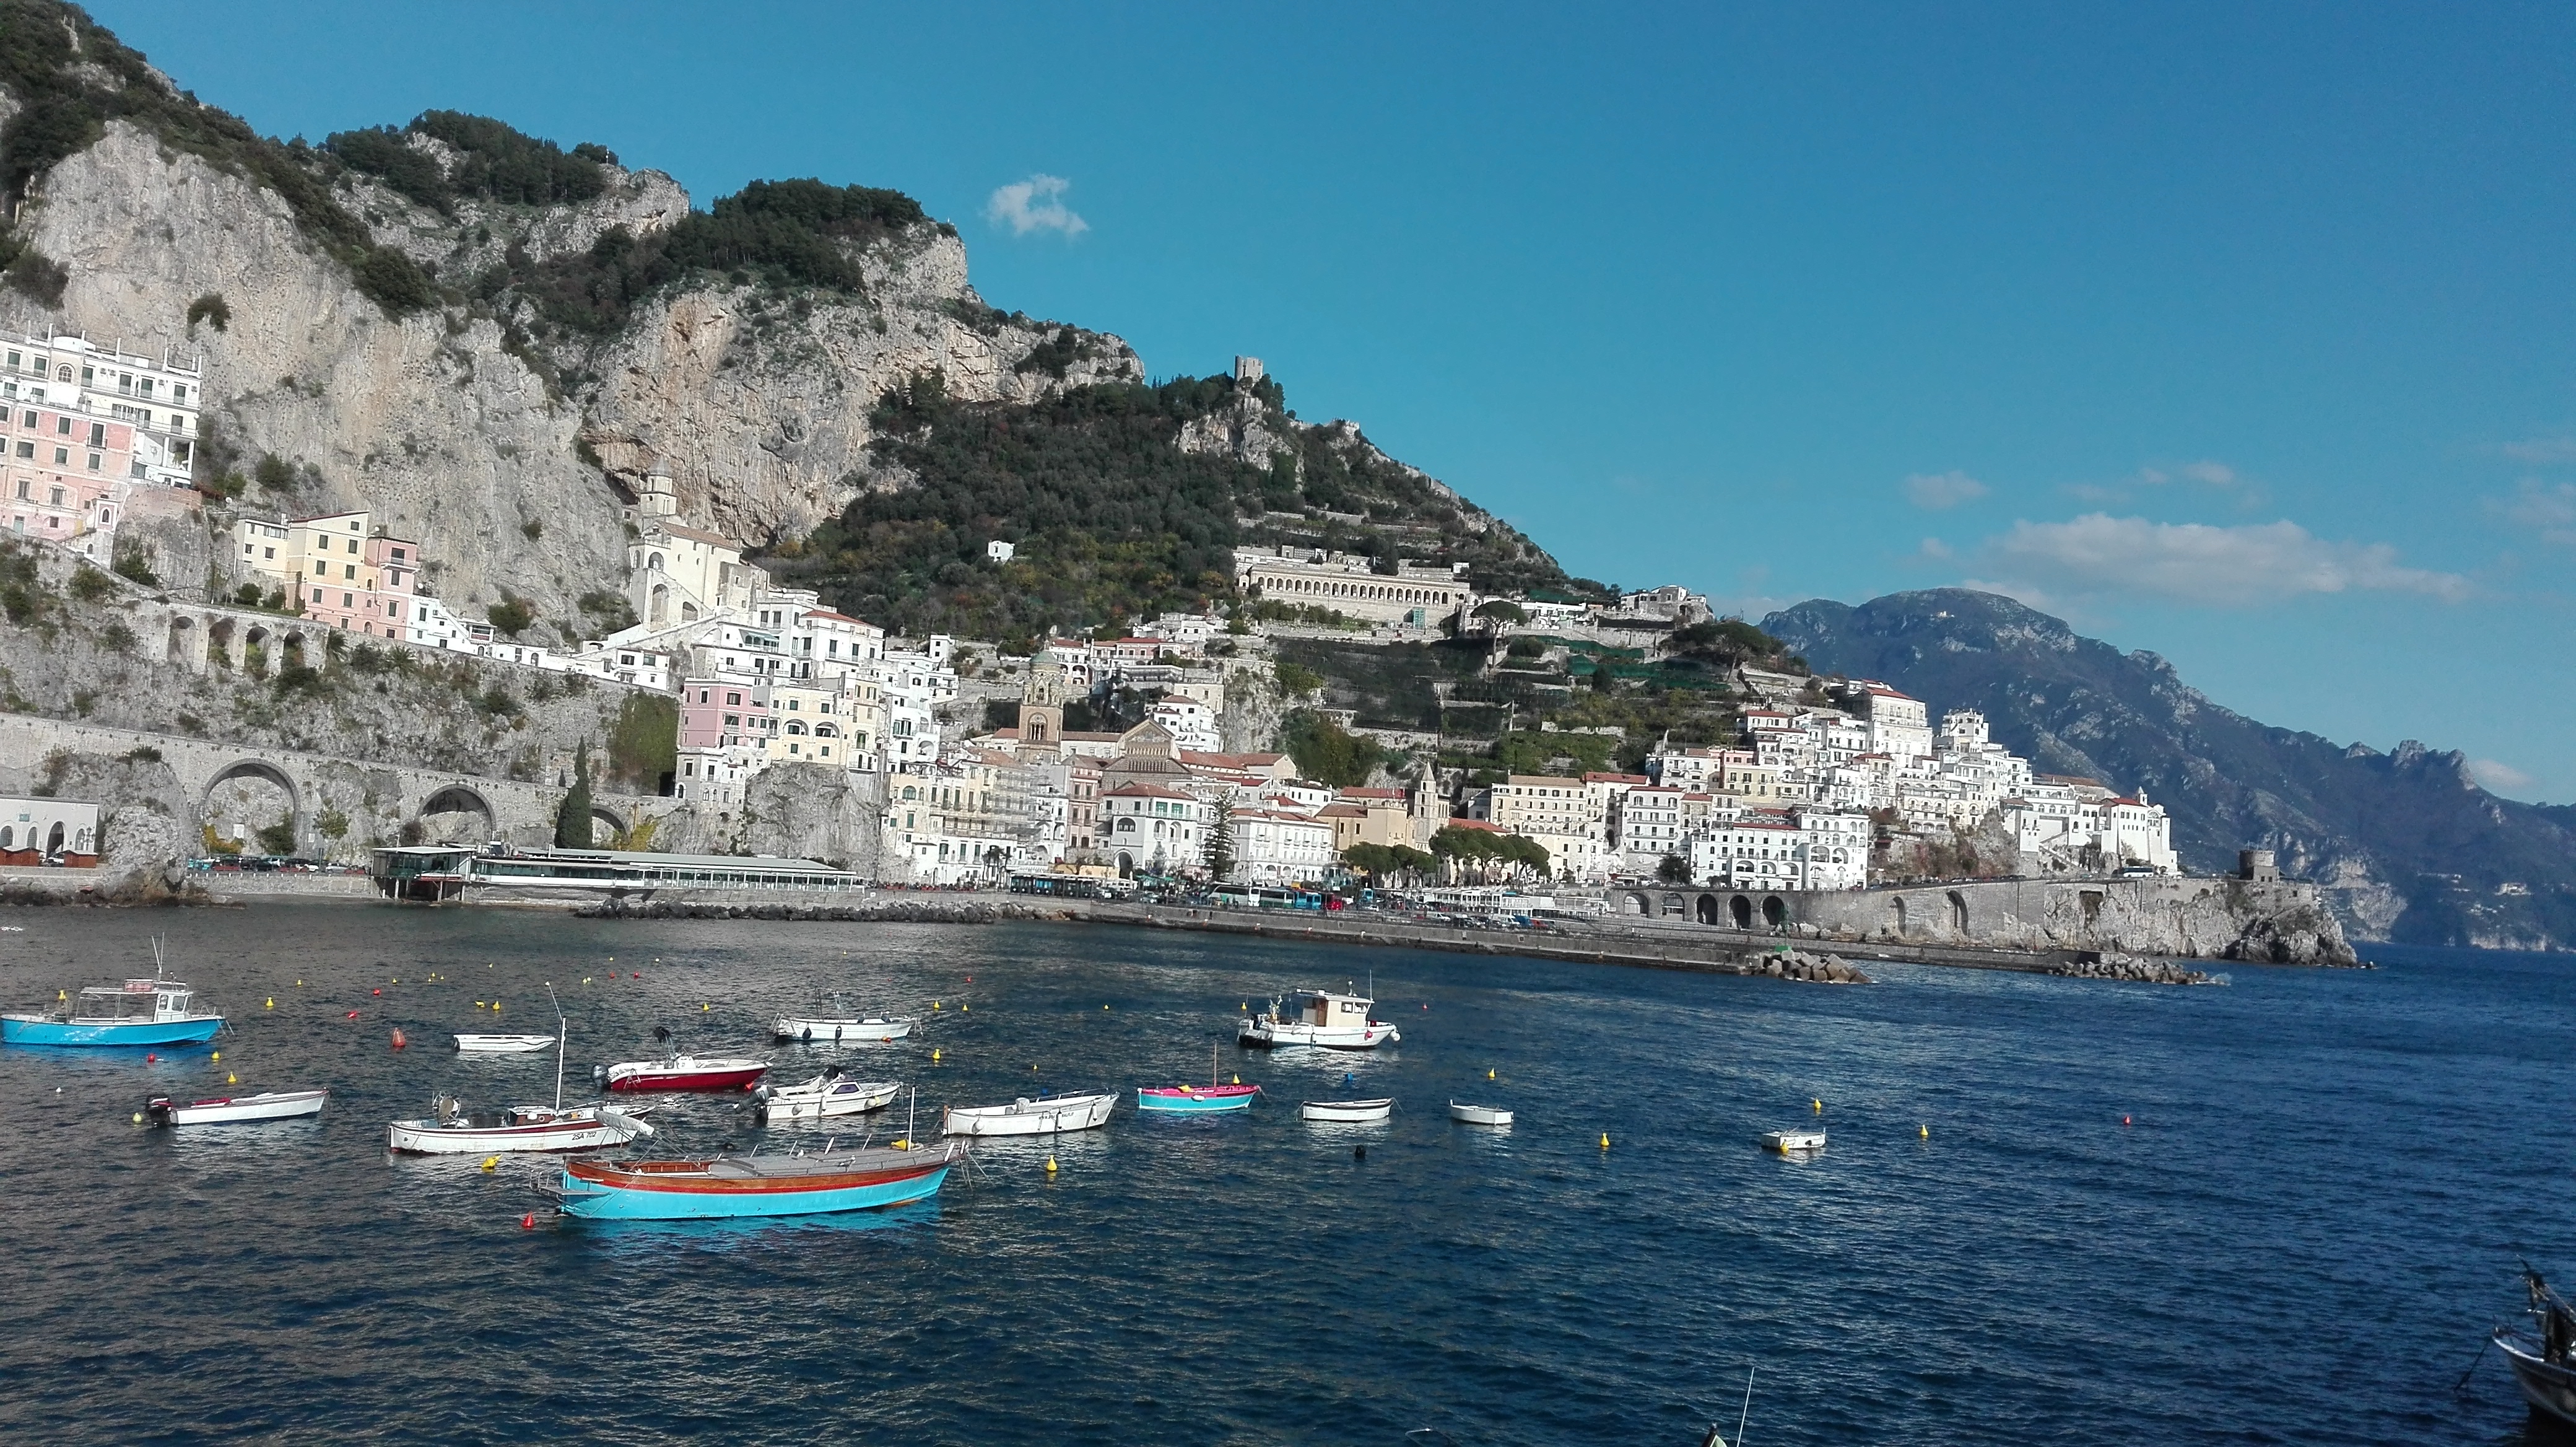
(1197,1099)
(729,1186)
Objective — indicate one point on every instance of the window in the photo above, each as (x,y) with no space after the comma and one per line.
(349,570)
(56,499)
(63,425)
(62,457)
(93,462)
(266,554)
(27,450)
(321,570)
(98,434)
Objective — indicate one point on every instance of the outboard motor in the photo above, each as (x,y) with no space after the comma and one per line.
(599,1074)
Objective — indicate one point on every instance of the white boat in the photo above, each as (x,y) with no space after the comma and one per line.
(1344,1110)
(1460,1111)
(1045,1115)
(1318,1017)
(1786,1141)
(451,1130)
(828,1094)
(502,1044)
(873,1030)
(236,1109)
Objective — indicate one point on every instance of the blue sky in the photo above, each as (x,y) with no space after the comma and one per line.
(2245,334)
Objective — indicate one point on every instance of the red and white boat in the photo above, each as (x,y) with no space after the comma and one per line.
(686,1072)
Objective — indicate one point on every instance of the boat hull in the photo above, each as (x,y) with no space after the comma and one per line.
(840,1032)
(687,1075)
(803,1102)
(1791,1142)
(503,1044)
(1197,1099)
(1466,1114)
(574,1131)
(39,1030)
(608,1191)
(1271,1035)
(1038,1117)
(1346,1112)
(241,1109)
(2551,1389)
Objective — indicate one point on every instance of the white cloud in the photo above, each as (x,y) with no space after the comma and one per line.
(2542,449)
(2551,511)
(1935,548)
(2198,563)
(2501,778)
(2216,474)
(1944,489)
(1036,204)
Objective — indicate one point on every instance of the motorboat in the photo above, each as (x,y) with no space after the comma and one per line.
(828,1094)
(236,1109)
(138,1012)
(685,1072)
(2544,1365)
(1318,1017)
(1043,1115)
(1344,1111)
(1466,1114)
(1198,1099)
(1789,1142)
(452,1130)
(873,1030)
(502,1044)
(756,1185)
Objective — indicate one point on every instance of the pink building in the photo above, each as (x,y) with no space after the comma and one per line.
(716,715)
(373,592)
(63,470)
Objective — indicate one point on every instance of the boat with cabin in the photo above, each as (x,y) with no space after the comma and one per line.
(826,1095)
(1198,1099)
(1041,1115)
(757,1185)
(2544,1357)
(1344,1112)
(1318,1017)
(138,1012)
(502,1044)
(819,1030)
(236,1109)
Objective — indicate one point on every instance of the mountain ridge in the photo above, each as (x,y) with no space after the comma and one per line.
(2408,845)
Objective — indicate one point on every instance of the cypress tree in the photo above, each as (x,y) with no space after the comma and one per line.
(572,817)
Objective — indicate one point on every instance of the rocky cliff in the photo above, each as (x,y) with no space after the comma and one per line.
(2405,844)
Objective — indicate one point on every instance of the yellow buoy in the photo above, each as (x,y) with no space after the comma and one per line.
(1925,1131)
(61,995)
(1489,1075)
(1033,1070)
(1104,1007)
(934,1004)
(1820,1107)
(219,1055)
(491,1161)
(299,984)
(272,1003)
(702,1009)
(1605,1140)
(1238,1080)
(138,1117)
(934,1055)
(397,981)
(1050,1159)
(965,1007)
(904,1145)
(231,1079)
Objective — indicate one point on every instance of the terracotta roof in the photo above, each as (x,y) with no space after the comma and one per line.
(1144,791)
(1372,793)
(1478,825)
(1341,811)
(827,613)
(1597,777)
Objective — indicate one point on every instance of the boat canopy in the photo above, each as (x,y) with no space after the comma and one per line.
(134,1000)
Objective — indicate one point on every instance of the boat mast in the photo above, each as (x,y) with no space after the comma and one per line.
(561,1030)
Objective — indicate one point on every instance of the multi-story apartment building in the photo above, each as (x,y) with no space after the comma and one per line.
(1149,829)
(88,429)
(1280,846)
(338,569)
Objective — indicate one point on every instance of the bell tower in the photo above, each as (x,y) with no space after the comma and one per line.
(1042,708)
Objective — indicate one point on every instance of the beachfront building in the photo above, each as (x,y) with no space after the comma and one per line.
(1274,845)
(1151,829)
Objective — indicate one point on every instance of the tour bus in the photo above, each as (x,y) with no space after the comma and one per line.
(1265,896)
(1073,886)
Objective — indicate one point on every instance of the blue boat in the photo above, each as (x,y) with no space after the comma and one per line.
(138,1012)
(730,1186)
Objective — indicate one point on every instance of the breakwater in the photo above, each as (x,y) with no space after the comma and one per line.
(1610,942)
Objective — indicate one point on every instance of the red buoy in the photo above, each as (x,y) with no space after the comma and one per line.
(399,1041)
(353,1014)
(379,992)
(2124,1120)
(149,1059)
(528,1222)
(637,975)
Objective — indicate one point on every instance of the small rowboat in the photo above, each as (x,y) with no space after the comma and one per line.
(237,1109)
(827,1094)
(1197,1099)
(686,1072)
(1467,1114)
(1046,1115)
(502,1044)
(874,1030)
(1788,1141)
(1344,1110)
(730,1186)
(451,1131)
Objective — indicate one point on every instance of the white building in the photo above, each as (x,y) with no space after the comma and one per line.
(1279,846)
(1148,829)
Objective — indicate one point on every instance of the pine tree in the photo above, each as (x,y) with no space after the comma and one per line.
(572,817)
(1220,849)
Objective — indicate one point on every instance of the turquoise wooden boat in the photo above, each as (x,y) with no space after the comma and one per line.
(1197,1099)
(733,1186)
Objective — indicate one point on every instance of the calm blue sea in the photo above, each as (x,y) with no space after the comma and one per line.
(2284,1211)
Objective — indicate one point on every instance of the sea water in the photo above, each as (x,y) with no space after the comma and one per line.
(2051,1211)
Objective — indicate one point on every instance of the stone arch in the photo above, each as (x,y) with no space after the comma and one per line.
(1958,912)
(183,647)
(1741,910)
(54,839)
(657,608)
(448,814)
(223,640)
(1708,911)
(1634,903)
(1672,904)
(1775,911)
(237,802)
(605,823)
(1896,908)
(1126,865)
